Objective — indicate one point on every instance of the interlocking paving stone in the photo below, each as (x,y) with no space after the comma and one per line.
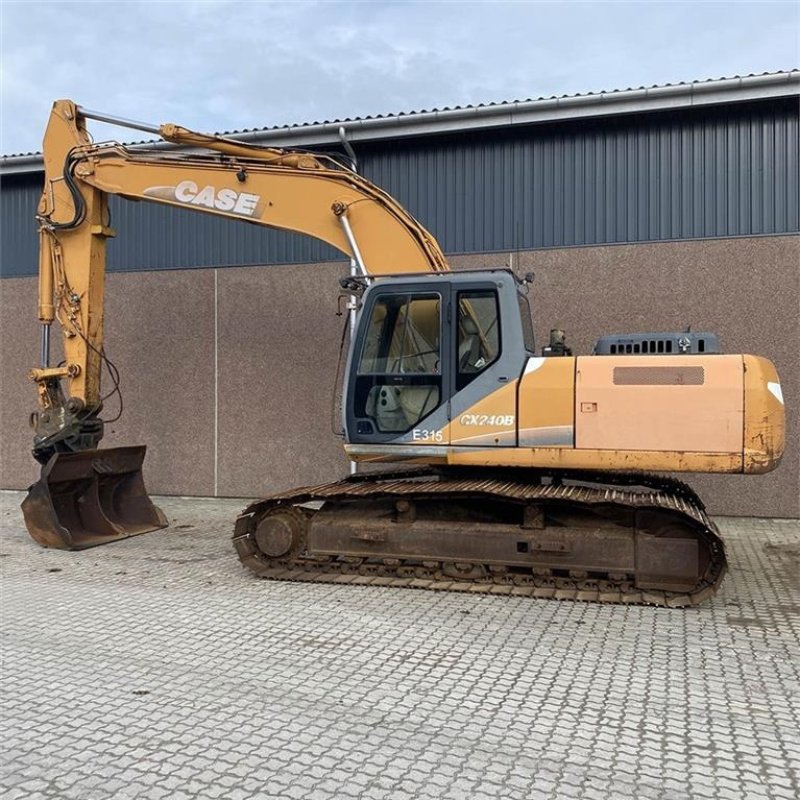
(158,667)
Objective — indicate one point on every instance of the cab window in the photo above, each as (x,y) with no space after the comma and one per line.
(478,339)
(399,376)
(403,336)
(527,323)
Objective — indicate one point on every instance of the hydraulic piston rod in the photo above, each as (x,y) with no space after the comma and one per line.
(348,232)
(45,342)
(121,121)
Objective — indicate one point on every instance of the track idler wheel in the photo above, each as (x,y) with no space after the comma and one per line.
(281,533)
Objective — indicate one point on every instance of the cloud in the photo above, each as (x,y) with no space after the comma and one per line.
(233,65)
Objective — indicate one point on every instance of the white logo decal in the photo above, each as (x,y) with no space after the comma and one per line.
(503,420)
(775,388)
(188,192)
(421,435)
(534,363)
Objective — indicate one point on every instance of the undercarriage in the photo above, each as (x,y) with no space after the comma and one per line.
(603,537)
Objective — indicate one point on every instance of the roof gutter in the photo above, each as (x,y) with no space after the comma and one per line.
(482,117)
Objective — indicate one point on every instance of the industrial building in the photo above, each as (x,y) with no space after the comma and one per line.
(638,210)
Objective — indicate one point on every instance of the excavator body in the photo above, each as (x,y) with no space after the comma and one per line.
(525,473)
(532,469)
(444,371)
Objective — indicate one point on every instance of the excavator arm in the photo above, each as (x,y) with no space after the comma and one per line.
(295,191)
(284,189)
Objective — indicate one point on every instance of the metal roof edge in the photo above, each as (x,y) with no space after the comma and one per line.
(498,115)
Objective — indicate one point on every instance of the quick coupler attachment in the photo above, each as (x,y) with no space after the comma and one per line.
(89,498)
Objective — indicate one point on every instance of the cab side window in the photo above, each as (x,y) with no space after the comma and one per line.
(478,339)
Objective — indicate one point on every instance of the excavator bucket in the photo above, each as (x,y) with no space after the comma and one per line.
(89,498)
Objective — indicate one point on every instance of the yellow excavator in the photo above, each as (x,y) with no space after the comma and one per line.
(511,472)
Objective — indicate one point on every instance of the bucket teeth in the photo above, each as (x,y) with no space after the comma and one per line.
(89,498)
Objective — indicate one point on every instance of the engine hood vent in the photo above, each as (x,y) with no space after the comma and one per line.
(657,344)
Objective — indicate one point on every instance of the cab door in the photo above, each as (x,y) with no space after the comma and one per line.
(398,387)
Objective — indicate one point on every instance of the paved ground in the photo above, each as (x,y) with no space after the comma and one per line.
(159,668)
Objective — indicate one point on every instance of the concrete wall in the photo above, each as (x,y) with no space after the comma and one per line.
(228,374)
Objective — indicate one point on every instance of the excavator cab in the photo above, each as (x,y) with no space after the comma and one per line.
(427,350)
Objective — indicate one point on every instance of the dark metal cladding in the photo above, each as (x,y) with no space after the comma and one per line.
(730,170)
(610,537)
(91,498)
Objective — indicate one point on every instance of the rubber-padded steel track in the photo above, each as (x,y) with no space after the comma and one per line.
(577,490)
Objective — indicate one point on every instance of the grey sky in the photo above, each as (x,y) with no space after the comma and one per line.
(220,65)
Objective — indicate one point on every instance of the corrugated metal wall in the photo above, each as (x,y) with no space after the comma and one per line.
(713,172)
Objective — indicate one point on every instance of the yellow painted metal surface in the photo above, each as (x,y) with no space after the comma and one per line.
(764,417)
(278,196)
(546,403)
(705,414)
(626,460)
(72,261)
(551,458)
(676,403)
(490,421)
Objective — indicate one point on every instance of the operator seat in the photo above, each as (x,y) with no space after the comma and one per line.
(469,345)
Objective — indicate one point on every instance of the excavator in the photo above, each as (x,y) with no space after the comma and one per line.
(505,471)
